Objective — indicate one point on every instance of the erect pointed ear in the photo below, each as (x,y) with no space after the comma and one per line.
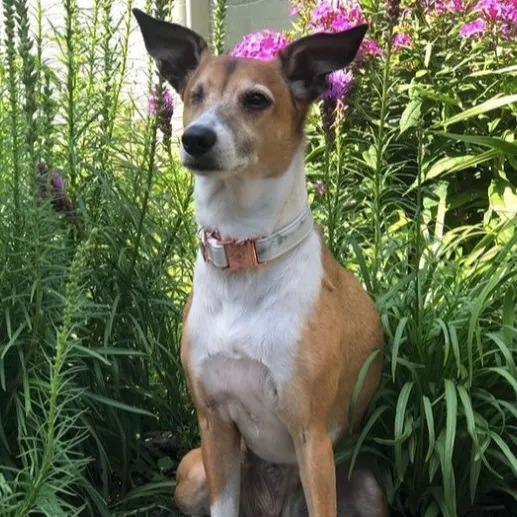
(307,62)
(176,49)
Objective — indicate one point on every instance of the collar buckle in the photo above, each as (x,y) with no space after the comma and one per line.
(240,254)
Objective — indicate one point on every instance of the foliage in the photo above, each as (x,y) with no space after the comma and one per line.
(420,199)
(412,169)
(93,273)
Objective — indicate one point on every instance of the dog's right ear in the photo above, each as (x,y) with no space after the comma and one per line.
(176,49)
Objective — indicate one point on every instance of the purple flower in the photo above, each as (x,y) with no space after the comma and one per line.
(49,178)
(320,187)
(339,84)
(370,48)
(474,28)
(401,40)
(492,9)
(263,45)
(335,15)
(441,6)
(167,104)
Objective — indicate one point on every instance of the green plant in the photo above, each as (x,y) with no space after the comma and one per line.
(413,177)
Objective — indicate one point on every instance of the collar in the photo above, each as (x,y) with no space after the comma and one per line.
(232,254)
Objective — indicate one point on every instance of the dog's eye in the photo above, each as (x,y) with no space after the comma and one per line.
(256,101)
(197,95)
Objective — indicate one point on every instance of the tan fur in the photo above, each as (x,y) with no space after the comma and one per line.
(272,136)
(343,330)
(269,490)
(310,404)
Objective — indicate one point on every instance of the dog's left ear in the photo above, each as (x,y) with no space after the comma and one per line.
(176,49)
(307,62)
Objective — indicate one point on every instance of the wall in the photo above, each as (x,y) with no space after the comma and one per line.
(243,16)
(252,15)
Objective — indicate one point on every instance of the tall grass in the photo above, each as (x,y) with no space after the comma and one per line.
(92,400)
(419,174)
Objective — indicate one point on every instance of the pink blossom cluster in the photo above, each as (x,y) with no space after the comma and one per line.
(401,40)
(339,84)
(263,45)
(167,103)
(445,6)
(335,16)
(497,16)
(340,15)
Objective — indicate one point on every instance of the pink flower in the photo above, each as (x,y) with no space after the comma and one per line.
(263,45)
(167,104)
(339,84)
(442,6)
(475,28)
(320,187)
(370,48)
(335,15)
(401,40)
(492,9)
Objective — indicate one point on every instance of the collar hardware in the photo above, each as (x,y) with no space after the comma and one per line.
(244,254)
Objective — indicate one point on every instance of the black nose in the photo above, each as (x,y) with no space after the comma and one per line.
(198,140)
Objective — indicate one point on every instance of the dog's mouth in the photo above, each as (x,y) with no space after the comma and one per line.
(202,166)
(207,166)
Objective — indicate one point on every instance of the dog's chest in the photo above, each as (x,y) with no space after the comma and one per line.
(244,332)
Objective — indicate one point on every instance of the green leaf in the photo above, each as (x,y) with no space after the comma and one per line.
(506,375)
(506,70)
(117,404)
(364,432)
(400,418)
(429,418)
(451,404)
(48,503)
(506,351)
(365,367)
(475,470)
(485,107)
(411,115)
(505,449)
(459,163)
(484,141)
(397,341)
(508,316)
(503,198)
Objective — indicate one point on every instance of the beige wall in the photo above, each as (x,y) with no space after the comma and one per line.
(252,15)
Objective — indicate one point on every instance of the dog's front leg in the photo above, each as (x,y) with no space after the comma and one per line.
(317,471)
(220,447)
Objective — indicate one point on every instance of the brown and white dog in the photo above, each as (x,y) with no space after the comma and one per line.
(275,330)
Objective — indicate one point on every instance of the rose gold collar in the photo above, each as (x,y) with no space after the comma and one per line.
(245,254)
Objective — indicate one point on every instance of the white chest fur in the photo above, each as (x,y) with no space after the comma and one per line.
(245,330)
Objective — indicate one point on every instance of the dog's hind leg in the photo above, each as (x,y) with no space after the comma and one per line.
(191,493)
(265,487)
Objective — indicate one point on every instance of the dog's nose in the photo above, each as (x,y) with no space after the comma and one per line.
(198,140)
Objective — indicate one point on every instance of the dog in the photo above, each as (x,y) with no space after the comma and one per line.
(275,329)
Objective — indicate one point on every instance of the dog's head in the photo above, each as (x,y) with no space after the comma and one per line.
(244,115)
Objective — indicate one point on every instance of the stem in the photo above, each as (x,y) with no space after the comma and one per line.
(72,295)
(219,32)
(9,18)
(378,163)
(150,169)
(70,12)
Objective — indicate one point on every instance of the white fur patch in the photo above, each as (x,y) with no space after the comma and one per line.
(255,316)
